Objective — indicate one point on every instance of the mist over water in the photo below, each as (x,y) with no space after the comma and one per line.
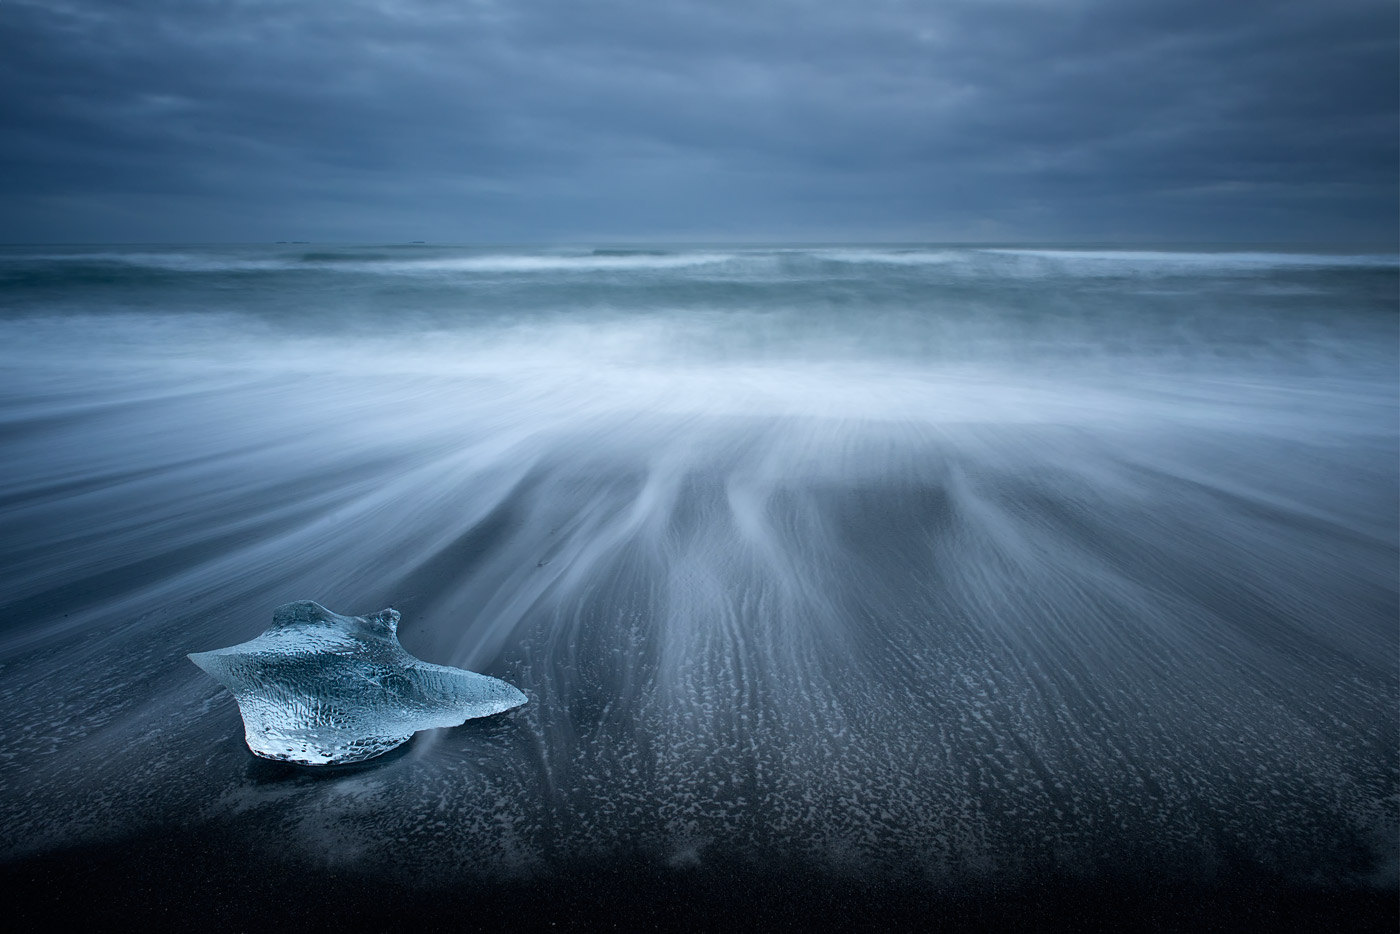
(935,564)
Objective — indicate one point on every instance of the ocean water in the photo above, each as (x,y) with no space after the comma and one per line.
(925,566)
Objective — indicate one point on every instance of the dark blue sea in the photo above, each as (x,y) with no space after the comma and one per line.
(900,585)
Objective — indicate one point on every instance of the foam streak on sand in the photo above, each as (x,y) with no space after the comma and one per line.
(937,577)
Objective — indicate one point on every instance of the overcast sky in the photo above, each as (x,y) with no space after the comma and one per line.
(579,120)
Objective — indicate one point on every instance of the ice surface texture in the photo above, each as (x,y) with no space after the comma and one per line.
(319,688)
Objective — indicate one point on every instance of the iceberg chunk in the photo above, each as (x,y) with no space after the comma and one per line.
(319,688)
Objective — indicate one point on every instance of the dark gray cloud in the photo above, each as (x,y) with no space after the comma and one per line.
(506,120)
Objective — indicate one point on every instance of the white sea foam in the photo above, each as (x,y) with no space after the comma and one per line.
(891,257)
(164,260)
(468,263)
(525,263)
(1203,261)
(740,263)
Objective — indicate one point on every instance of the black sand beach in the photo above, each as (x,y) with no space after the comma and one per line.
(1049,592)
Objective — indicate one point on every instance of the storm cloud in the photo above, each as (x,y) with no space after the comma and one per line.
(497,121)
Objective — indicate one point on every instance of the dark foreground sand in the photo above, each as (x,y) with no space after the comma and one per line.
(203,879)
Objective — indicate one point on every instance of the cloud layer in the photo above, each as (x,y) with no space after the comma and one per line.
(478,120)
